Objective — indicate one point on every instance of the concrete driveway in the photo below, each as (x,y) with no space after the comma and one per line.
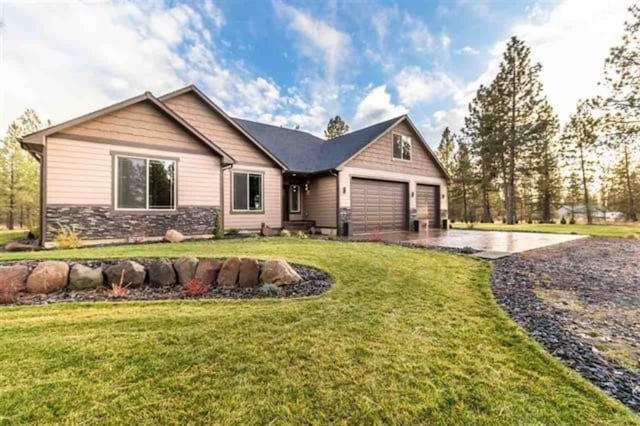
(499,242)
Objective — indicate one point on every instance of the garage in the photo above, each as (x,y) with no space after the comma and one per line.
(378,205)
(428,205)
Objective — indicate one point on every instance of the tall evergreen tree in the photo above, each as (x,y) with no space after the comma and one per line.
(579,142)
(336,127)
(544,159)
(517,92)
(447,149)
(19,173)
(463,177)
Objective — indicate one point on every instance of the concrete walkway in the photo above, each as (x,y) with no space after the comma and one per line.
(498,243)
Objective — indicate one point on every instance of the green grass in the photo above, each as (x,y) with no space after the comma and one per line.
(596,230)
(7,236)
(405,336)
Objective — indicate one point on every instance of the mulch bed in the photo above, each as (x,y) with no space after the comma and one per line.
(314,282)
(603,276)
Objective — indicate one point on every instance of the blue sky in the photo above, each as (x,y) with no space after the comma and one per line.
(296,63)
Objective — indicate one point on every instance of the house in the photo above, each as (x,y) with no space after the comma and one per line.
(579,213)
(137,168)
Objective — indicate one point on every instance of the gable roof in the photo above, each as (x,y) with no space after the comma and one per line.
(194,89)
(36,138)
(305,153)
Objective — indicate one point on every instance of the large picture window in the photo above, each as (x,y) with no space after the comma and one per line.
(145,183)
(401,147)
(247,192)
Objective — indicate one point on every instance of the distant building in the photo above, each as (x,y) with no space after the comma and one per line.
(579,212)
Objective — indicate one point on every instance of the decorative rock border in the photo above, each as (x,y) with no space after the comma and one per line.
(155,279)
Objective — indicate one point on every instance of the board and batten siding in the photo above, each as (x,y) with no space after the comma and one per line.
(320,202)
(376,162)
(272,194)
(80,173)
(140,124)
(210,123)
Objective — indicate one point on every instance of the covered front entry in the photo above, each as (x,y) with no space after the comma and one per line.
(378,205)
(428,205)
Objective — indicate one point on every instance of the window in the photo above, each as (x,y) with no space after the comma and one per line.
(145,183)
(401,147)
(294,198)
(247,191)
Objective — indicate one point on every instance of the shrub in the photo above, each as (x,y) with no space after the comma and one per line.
(563,221)
(285,233)
(301,235)
(118,290)
(632,237)
(470,225)
(195,288)
(218,233)
(269,290)
(530,222)
(68,237)
(572,221)
(467,250)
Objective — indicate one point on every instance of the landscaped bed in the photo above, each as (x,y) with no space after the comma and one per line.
(404,335)
(581,301)
(88,288)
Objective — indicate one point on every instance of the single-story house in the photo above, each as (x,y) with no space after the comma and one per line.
(579,213)
(137,168)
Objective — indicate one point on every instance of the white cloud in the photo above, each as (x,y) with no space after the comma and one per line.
(214,13)
(317,36)
(468,50)
(376,106)
(445,41)
(415,85)
(418,34)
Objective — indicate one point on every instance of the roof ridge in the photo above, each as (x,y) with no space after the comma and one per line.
(391,120)
(280,127)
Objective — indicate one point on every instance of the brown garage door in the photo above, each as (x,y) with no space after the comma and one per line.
(428,204)
(378,205)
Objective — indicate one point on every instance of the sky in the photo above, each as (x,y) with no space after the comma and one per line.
(297,63)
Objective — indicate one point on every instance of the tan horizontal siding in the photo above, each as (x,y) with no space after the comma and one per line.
(218,130)
(80,173)
(142,123)
(378,156)
(272,214)
(320,202)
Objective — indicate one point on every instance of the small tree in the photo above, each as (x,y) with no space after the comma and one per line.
(336,127)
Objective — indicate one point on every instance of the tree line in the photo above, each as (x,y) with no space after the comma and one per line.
(512,161)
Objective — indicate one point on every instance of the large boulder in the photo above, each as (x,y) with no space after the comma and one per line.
(266,230)
(249,273)
(17,246)
(279,272)
(83,277)
(134,273)
(186,268)
(173,236)
(208,270)
(161,273)
(228,275)
(14,276)
(48,277)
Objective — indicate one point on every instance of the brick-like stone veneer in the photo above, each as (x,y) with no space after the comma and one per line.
(344,216)
(413,216)
(101,222)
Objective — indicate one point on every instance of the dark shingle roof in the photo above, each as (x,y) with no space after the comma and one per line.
(304,152)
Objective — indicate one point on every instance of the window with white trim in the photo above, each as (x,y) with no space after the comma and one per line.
(247,192)
(401,147)
(294,198)
(145,183)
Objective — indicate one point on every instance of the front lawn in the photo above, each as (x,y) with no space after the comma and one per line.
(596,230)
(405,336)
(7,236)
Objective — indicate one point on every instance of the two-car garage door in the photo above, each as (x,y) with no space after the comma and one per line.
(378,205)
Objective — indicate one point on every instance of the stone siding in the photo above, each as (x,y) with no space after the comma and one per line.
(344,217)
(101,222)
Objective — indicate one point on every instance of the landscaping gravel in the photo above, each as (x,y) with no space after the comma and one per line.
(314,282)
(580,300)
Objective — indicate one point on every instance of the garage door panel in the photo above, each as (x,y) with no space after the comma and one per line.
(428,205)
(378,205)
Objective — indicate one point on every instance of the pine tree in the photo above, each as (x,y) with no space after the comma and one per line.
(517,93)
(579,143)
(544,159)
(573,192)
(463,177)
(446,150)
(19,173)
(336,127)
